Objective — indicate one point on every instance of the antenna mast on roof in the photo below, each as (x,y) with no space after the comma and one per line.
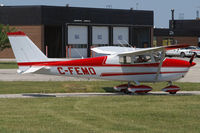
(197,13)
(109,6)
(137,5)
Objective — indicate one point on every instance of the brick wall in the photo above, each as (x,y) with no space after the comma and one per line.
(188,40)
(35,33)
(180,40)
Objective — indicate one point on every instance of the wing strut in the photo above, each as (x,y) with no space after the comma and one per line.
(160,65)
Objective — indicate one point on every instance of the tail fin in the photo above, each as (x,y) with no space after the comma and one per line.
(24,49)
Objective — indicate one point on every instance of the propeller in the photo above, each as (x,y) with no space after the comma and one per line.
(192,58)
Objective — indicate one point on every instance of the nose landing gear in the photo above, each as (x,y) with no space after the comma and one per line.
(172,89)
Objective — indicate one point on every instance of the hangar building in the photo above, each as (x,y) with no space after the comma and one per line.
(71,32)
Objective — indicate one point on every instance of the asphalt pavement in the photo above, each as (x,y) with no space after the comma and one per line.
(48,95)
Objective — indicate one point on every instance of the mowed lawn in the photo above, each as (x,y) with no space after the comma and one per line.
(78,86)
(113,114)
(8,65)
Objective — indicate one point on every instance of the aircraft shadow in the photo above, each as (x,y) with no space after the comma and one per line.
(109,89)
(38,95)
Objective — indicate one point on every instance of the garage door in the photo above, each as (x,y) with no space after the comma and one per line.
(100,35)
(77,35)
(120,35)
(77,41)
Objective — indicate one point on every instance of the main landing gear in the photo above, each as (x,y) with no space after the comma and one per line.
(129,88)
(139,89)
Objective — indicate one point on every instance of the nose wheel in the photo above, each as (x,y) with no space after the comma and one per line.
(171,89)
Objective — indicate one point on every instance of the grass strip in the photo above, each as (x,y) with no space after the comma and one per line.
(7,87)
(113,114)
(8,65)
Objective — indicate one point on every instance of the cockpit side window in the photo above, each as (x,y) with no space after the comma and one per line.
(142,59)
(125,59)
(154,57)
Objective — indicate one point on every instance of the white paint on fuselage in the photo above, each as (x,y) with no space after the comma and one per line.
(122,73)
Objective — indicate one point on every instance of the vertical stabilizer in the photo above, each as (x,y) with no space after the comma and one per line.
(24,49)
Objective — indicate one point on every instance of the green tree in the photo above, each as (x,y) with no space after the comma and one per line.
(4,42)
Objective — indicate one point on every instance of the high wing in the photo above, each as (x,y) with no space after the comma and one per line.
(122,51)
(154,49)
(112,49)
(141,51)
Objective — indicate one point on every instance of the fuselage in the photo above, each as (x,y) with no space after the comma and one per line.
(110,68)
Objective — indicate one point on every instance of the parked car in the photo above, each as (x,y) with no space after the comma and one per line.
(183,52)
(196,50)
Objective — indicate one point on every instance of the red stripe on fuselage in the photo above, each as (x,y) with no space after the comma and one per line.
(100,61)
(138,73)
(97,61)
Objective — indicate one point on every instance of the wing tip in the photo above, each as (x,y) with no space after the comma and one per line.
(171,47)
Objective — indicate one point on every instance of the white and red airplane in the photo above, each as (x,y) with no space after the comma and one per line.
(121,63)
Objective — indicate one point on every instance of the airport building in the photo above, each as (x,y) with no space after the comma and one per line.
(71,32)
(185,31)
(179,32)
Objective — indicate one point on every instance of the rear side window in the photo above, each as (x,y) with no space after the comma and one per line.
(125,59)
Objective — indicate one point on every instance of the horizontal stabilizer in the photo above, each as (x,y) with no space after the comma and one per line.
(32,69)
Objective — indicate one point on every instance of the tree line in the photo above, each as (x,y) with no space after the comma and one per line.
(4,42)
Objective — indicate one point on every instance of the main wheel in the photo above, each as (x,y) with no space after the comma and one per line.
(182,55)
(172,92)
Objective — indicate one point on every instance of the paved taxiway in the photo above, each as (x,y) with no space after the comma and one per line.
(45,95)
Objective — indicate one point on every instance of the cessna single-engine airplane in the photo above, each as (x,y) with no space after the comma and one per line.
(121,63)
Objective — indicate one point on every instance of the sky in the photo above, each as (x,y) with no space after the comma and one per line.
(161,8)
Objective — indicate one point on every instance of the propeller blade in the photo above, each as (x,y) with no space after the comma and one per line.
(192,58)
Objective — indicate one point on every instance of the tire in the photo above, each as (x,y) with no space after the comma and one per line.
(182,55)
(172,92)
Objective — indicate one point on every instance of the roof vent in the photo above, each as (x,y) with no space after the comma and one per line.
(67,5)
(109,6)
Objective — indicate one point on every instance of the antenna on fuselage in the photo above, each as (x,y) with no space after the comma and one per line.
(126,43)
